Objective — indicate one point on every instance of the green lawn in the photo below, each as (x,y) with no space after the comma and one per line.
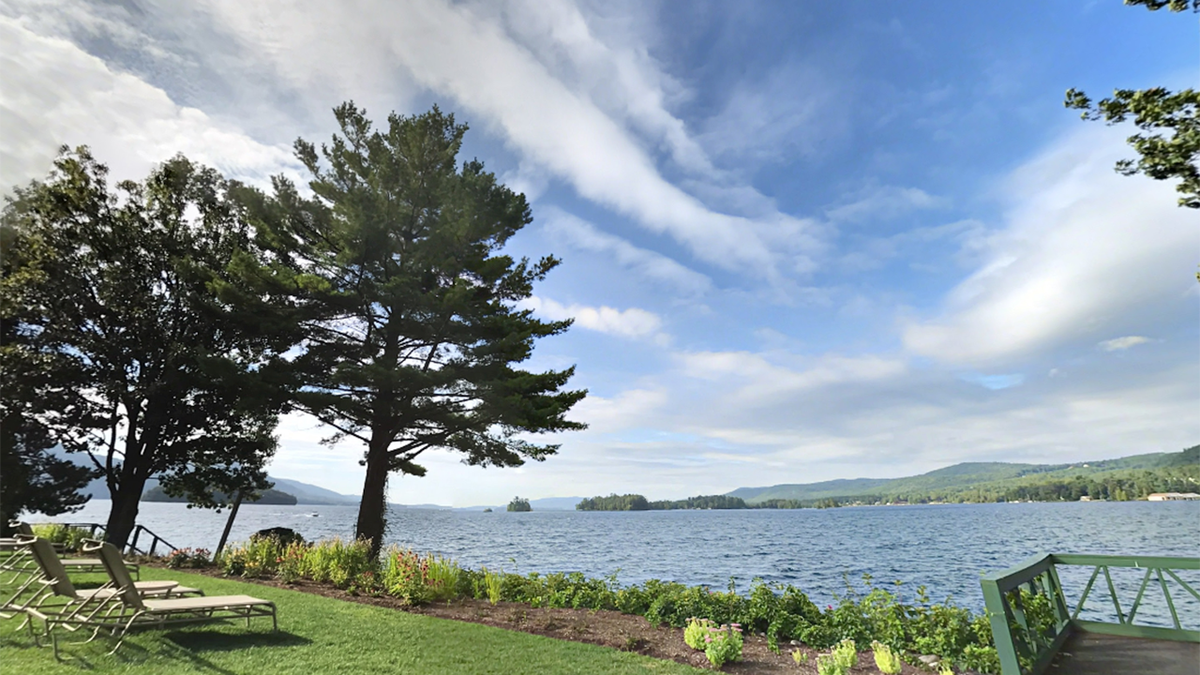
(319,635)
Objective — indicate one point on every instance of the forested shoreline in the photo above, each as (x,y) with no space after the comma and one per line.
(1123,485)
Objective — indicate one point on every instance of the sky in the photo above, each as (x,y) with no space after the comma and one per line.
(800,241)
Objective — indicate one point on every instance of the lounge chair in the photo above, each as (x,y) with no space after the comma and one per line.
(54,583)
(127,609)
(22,562)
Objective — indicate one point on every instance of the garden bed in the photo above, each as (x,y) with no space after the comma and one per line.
(605,628)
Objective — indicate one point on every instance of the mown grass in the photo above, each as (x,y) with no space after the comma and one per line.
(319,635)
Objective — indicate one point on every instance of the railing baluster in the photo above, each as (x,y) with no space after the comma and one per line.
(1060,601)
(1113,592)
(1170,603)
(1183,583)
(1141,589)
(1086,590)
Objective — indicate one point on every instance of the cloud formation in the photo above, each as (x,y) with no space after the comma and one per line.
(1084,252)
(129,124)
(630,323)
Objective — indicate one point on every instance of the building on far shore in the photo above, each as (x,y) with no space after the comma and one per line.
(1173,497)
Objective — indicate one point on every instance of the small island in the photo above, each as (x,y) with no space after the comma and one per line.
(519,504)
(271,496)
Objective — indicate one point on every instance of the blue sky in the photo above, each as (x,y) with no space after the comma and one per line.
(800,241)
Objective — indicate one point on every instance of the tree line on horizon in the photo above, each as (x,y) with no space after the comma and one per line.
(159,328)
(635,502)
(1119,485)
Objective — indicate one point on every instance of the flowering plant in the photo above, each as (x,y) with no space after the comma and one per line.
(723,644)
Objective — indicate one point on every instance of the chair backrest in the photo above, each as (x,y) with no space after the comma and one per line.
(54,574)
(22,527)
(110,557)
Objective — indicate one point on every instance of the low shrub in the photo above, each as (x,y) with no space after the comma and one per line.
(723,644)
(827,664)
(846,654)
(69,538)
(781,612)
(886,660)
(194,558)
(696,631)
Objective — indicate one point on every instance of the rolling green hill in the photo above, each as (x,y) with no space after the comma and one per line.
(968,475)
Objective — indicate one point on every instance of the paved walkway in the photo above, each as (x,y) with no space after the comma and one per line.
(1095,654)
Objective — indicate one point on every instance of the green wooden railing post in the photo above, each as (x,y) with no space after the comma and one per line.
(1023,638)
(997,609)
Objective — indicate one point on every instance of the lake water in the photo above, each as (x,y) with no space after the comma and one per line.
(944,547)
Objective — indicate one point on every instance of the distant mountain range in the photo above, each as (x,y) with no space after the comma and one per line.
(959,476)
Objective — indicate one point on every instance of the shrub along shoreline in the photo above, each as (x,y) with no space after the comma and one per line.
(783,613)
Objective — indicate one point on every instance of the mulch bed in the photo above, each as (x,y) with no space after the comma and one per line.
(625,632)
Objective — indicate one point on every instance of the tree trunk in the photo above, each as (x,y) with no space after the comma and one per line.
(123,516)
(371,510)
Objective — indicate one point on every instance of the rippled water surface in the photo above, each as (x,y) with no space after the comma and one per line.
(945,548)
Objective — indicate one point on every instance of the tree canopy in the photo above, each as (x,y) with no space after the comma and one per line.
(121,325)
(1168,141)
(414,335)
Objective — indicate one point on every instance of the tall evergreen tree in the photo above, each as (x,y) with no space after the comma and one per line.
(418,334)
(133,355)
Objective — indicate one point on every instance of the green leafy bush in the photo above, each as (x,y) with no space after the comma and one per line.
(492,585)
(886,660)
(696,631)
(827,664)
(846,654)
(189,558)
(69,538)
(781,612)
(723,644)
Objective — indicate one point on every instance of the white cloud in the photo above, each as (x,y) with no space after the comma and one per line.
(462,52)
(1084,251)
(649,264)
(129,124)
(632,322)
(1122,343)
(791,110)
(884,203)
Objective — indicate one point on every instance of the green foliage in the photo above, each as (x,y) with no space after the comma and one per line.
(317,635)
(845,654)
(614,502)
(189,558)
(696,631)
(781,612)
(1133,477)
(1168,144)
(519,504)
(723,644)
(413,330)
(337,561)
(70,538)
(800,657)
(632,502)
(140,339)
(701,502)
(827,664)
(417,579)
(887,661)
(492,585)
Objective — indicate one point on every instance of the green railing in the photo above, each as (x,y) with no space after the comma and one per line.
(1031,619)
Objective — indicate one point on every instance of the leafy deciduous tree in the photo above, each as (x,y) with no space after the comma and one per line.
(133,356)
